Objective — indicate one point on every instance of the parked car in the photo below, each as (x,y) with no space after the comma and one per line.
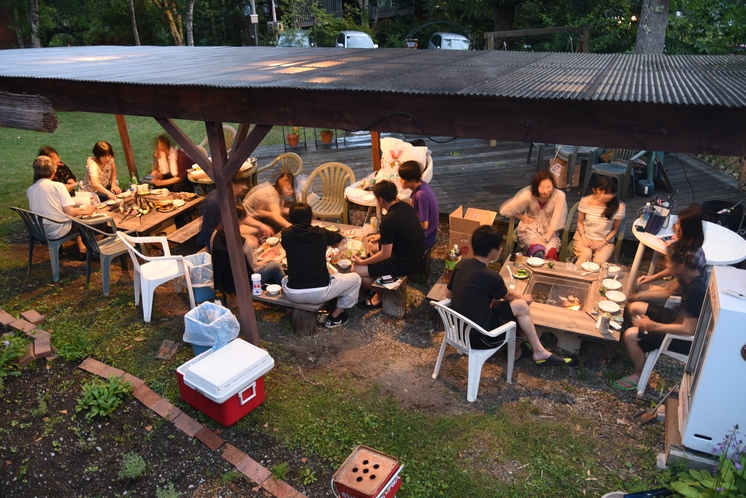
(295,38)
(355,39)
(448,41)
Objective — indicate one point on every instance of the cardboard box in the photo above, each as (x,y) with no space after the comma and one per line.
(558,168)
(225,384)
(464,224)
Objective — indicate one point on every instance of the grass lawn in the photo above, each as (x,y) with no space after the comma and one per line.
(511,448)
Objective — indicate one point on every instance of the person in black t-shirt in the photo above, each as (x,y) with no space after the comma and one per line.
(401,239)
(480,294)
(651,323)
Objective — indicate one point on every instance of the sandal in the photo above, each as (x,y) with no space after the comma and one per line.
(555,361)
(525,352)
(366,304)
(624,384)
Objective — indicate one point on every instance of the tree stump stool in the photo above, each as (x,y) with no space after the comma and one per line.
(393,302)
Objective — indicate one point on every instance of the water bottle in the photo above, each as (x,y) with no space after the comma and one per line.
(646,212)
(374,223)
(256,284)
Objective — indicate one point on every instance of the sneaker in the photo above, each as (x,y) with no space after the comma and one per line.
(332,322)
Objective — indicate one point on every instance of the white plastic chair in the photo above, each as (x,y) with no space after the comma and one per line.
(653,356)
(155,271)
(457,329)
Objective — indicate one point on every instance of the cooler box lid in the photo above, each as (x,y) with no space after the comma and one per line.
(221,374)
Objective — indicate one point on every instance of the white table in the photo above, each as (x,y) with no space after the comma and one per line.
(722,246)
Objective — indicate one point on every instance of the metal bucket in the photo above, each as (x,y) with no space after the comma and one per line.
(731,220)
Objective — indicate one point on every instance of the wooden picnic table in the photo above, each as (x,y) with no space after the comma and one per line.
(155,222)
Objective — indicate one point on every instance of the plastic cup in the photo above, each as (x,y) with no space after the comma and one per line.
(570,263)
(265,243)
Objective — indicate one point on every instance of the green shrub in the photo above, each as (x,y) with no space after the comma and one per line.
(133,467)
(280,470)
(103,397)
(308,476)
(167,492)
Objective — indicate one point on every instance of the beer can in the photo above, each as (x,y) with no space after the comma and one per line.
(605,320)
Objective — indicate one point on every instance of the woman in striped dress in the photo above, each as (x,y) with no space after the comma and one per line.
(599,217)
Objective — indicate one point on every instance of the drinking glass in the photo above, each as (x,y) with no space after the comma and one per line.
(570,263)
(265,244)
(334,256)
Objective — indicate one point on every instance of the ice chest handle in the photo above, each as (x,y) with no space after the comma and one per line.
(253,394)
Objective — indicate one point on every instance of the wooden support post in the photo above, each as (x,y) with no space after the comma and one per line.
(124,136)
(375,149)
(243,130)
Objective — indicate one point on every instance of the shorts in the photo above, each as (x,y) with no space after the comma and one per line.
(650,341)
(387,267)
(502,313)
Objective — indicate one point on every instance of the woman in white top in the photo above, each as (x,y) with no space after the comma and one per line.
(599,217)
(101,172)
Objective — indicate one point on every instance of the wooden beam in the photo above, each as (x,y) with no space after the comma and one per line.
(124,137)
(535,31)
(247,147)
(243,130)
(27,112)
(247,318)
(186,143)
(375,149)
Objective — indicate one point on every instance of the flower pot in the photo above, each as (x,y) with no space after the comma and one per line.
(292,139)
(326,138)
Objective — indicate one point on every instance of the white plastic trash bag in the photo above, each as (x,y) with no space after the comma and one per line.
(200,268)
(210,324)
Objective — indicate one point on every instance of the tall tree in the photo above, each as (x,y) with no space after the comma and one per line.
(33,15)
(134,23)
(190,22)
(169,9)
(651,31)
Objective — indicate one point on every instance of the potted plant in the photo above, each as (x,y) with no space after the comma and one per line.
(326,136)
(292,137)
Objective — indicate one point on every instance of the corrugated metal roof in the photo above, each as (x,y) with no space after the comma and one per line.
(680,80)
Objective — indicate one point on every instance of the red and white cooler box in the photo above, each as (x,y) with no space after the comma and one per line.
(367,473)
(226,384)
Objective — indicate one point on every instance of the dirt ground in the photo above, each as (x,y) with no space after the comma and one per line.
(46,451)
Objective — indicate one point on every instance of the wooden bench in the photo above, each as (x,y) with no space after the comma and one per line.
(186,233)
(393,301)
(305,316)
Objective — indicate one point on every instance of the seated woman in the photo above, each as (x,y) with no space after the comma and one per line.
(266,202)
(688,237)
(221,265)
(101,172)
(63,174)
(599,217)
(170,166)
(542,210)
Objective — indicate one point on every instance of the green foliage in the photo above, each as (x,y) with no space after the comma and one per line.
(11,350)
(280,470)
(307,475)
(133,467)
(706,27)
(729,480)
(167,492)
(101,398)
(42,409)
(231,476)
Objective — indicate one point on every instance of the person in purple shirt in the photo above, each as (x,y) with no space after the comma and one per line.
(423,200)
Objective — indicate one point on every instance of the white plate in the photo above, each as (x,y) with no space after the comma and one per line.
(590,266)
(369,197)
(608,306)
(614,270)
(112,202)
(615,296)
(179,202)
(124,194)
(611,284)
(535,261)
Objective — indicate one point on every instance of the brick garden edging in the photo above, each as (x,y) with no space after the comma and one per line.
(41,347)
(192,428)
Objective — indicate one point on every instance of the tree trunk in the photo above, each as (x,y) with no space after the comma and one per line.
(134,23)
(17,28)
(504,18)
(190,22)
(33,16)
(174,24)
(363,13)
(651,32)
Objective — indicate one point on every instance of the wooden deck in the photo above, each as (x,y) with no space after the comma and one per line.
(469,172)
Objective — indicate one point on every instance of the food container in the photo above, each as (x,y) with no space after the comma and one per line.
(367,473)
(226,384)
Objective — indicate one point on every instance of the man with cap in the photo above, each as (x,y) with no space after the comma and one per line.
(651,323)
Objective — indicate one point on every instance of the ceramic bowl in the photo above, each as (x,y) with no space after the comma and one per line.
(608,306)
(616,296)
(344,264)
(273,289)
(590,266)
(613,269)
(273,241)
(611,284)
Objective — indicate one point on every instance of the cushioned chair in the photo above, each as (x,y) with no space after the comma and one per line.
(155,271)
(334,178)
(457,328)
(653,356)
(104,245)
(37,235)
(229,133)
(289,162)
(571,225)
(620,167)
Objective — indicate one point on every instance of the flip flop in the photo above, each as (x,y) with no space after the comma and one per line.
(624,384)
(555,361)
(365,304)
(525,352)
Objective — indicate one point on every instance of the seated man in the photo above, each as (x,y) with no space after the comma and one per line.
(480,294)
(402,242)
(423,200)
(211,217)
(221,265)
(266,202)
(52,200)
(308,279)
(651,322)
